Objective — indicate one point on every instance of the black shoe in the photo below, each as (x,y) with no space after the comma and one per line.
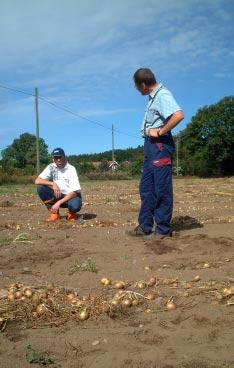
(137,232)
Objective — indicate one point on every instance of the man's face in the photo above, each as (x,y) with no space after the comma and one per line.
(59,161)
(142,88)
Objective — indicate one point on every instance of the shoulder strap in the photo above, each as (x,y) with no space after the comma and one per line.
(151,101)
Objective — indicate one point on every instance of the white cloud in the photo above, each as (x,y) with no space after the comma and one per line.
(82,54)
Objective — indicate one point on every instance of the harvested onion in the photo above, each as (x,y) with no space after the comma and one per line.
(119,285)
(11,296)
(126,303)
(141,285)
(152,281)
(28,293)
(115,302)
(170,305)
(150,296)
(83,315)
(41,309)
(18,295)
(103,280)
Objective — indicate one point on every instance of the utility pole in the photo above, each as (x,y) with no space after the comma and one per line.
(113,149)
(37,131)
(177,155)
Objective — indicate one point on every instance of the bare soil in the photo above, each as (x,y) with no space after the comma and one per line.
(193,271)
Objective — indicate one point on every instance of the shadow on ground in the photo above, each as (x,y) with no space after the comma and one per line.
(180,223)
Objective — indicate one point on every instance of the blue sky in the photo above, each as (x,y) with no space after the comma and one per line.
(82,54)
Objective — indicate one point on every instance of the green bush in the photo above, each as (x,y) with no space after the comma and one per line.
(15,178)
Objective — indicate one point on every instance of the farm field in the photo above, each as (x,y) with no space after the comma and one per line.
(176,308)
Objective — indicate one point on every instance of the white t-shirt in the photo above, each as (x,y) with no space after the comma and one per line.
(66,178)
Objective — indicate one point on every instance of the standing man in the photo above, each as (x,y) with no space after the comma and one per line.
(58,186)
(161,116)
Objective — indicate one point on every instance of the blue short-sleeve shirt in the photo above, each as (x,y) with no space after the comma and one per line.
(160,107)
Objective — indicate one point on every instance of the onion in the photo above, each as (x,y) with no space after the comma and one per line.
(114,302)
(119,285)
(23,298)
(227,291)
(126,303)
(119,293)
(103,280)
(107,282)
(197,278)
(28,293)
(18,294)
(50,287)
(152,281)
(148,310)
(150,296)
(41,309)
(170,305)
(11,296)
(83,315)
(12,289)
(141,285)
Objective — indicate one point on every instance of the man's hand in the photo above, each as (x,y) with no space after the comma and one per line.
(56,206)
(154,132)
(56,190)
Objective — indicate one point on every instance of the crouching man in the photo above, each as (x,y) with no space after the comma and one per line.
(58,186)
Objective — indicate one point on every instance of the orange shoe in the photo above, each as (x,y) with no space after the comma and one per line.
(53,217)
(71,216)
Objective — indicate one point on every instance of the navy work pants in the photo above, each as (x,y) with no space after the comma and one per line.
(47,196)
(156,190)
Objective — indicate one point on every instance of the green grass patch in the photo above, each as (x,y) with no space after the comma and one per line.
(33,357)
(5,240)
(88,265)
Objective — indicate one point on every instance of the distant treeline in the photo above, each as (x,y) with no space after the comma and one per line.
(204,148)
(121,155)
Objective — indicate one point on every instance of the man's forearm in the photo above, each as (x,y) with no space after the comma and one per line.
(169,125)
(172,122)
(40,181)
(67,197)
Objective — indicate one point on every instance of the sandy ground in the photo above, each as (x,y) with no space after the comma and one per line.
(193,271)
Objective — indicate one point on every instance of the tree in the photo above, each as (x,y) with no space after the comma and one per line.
(104,166)
(21,153)
(207,143)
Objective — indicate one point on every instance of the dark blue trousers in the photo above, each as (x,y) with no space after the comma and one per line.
(46,194)
(156,190)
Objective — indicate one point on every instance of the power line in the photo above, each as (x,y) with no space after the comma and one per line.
(67,110)
(16,90)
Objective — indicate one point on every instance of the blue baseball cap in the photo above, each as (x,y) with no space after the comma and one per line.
(58,152)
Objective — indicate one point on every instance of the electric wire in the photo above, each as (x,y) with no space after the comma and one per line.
(67,110)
